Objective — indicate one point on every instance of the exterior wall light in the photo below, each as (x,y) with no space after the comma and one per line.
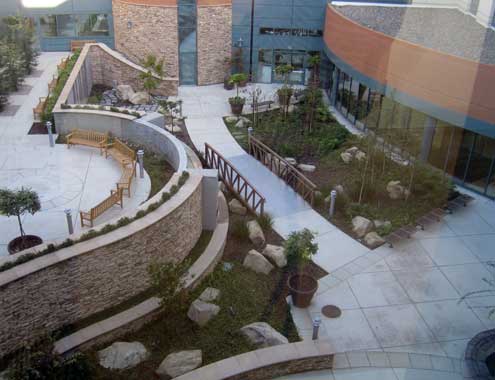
(129,24)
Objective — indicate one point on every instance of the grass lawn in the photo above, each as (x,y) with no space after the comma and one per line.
(246,297)
(159,171)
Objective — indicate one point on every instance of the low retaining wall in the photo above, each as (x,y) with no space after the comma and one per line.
(136,317)
(268,363)
(57,289)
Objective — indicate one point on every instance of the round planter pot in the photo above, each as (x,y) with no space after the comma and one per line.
(227,85)
(21,243)
(243,83)
(284,99)
(236,108)
(302,288)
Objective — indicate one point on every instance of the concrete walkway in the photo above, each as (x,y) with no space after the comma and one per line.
(75,179)
(204,108)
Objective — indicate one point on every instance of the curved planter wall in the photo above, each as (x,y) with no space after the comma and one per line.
(444,86)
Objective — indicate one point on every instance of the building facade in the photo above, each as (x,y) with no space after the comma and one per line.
(400,65)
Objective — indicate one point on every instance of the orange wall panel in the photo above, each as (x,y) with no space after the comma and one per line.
(449,82)
(155,3)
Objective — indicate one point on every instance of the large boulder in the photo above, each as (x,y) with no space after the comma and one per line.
(125,92)
(382,223)
(291,160)
(140,98)
(209,295)
(339,189)
(396,191)
(360,156)
(179,363)
(231,119)
(306,168)
(361,226)
(261,334)
(256,234)
(352,151)
(202,312)
(237,207)
(123,355)
(276,254)
(257,262)
(373,240)
(241,124)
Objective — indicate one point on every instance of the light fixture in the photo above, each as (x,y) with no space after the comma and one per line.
(42,3)
(129,24)
(239,42)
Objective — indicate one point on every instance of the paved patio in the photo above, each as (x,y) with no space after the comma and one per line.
(75,179)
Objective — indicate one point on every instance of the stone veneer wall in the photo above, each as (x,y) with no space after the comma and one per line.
(214,42)
(107,67)
(154,30)
(54,290)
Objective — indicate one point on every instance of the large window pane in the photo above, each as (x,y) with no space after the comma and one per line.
(48,26)
(463,154)
(66,25)
(442,145)
(480,163)
(93,25)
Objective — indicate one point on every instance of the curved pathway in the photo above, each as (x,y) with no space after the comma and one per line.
(204,108)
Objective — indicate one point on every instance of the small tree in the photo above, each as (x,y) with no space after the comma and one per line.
(19,202)
(168,280)
(299,249)
(154,73)
(237,102)
(171,110)
(285,93)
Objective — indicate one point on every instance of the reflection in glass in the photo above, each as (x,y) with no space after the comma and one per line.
(48,26)
(66,25)
(480,163)
(93,25)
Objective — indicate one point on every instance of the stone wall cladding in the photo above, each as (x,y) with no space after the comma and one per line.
(105,69)
(154,31)
(214,42)
(89,282)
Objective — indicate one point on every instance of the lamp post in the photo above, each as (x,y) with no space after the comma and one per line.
(333,197)
(50,134)
(316,327)
(140,157)
(68,216)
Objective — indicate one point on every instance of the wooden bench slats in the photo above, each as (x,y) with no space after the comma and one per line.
(266,103)
(120,152)
(115,198)
(39,109)
(126,179)
(88,138)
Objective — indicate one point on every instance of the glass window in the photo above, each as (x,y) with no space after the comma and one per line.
(265,59)
(375,106)
(480,163)
(363,100)
(66,25)
(48,26)
(93,25)
(441,145)
(463,153)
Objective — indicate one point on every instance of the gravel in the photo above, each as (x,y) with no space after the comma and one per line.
(442,29)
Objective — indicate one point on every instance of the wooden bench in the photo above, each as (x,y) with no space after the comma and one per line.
(79,44)
(121,153)
(125,180)
(266,103)
(115,198)
(88,138)
(39,109)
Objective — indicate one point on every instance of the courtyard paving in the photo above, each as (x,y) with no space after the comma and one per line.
(75,179)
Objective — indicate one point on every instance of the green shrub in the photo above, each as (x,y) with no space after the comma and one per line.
(265,221)
(239,230)
(299,249)
(168,281)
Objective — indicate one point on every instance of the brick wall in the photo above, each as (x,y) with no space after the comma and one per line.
(153,30)
(37,298)
(214,42)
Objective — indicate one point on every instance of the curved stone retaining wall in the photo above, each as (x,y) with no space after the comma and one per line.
(57,289)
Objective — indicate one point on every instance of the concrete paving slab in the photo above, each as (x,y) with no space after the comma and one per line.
(468,278)
(427,285)
(410,256)
(481,245)
(377,289)
(448,251)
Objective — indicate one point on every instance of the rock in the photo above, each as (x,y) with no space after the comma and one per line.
(256,234)
(201,312)
(140,98)
(261,334)
(240,124)
(223,189)
(306,168)
(291,160)
(123,355)
(257,262)
(318,194)
(352,151)
(209,295)
(339,189)
(125,92)
(231,119)
(396,190)
(373,240)
(381,223)
(360,156)
(346,157)
(236,207)
(361,226)
(245,120)
(179,363)
(276,254)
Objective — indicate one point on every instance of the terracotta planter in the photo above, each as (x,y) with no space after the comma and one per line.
(21,243)
(243,83)
(227,85)
(284,98)
(236,108)
(302,288)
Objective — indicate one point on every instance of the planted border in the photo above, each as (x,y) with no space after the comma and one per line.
(50,248)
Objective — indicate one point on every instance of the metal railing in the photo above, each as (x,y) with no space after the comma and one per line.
(282,168)
(234,180)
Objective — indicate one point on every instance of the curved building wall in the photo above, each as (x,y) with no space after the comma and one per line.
(444,86)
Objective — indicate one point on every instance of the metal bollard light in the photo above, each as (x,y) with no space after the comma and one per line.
(50,134)
(68,215)
(316,327)
(140,156)
(333,197)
